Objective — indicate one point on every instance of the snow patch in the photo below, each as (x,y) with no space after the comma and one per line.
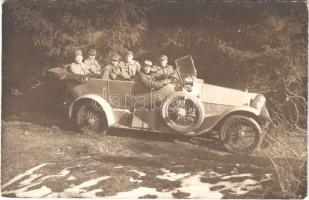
(240,188)
(171,176)
(138,172)
(140,192)
(40,192)
(193,187)
(71,178)
(79,188)
(27,173)
(237,175)
(132,180)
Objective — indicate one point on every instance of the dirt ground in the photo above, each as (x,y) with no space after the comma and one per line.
(43,157)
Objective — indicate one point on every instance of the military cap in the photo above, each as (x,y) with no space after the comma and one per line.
(92,52)
(78,53)
(129,53)
(115,56)
(163,57)
(148,63)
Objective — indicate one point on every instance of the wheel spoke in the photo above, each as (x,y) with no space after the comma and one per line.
(189,108)
(89,119)
(240,135)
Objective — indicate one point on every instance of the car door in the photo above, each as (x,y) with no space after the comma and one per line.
(146,98)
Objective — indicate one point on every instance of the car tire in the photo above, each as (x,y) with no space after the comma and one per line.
(90,119)
(183,113)
(236,129)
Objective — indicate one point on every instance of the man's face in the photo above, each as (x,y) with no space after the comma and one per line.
(79,59)
(91,57)
(147,69)
(163,63)
(114,62)
(129,58)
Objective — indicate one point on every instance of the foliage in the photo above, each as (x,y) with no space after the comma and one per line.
(288,156)
(60,27)
(285,48)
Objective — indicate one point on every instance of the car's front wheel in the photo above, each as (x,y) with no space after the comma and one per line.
(183,113)
(91,119)
(240,134)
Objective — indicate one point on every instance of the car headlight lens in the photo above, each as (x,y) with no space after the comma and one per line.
(189,80)
(188,83)
(258,102)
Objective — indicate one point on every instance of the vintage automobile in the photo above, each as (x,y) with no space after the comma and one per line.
(187,107)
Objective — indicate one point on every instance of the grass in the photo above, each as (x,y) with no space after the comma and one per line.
(288,154)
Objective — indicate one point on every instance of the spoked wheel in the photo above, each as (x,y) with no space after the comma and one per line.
(183,113)
(91,119)
(240,134)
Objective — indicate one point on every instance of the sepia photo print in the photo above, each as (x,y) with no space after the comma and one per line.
(154,99)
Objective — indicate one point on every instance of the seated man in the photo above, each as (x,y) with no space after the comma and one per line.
(92,64)
(164,71)
(131,66)
(145,75)
(78,67)
(115,70)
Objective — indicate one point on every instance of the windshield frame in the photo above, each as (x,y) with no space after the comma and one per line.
(186,67)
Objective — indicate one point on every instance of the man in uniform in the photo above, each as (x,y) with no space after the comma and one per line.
(165,71)
(78,67)
(92,64)
(131,66)
(159,76)
(114,70)
(147,76)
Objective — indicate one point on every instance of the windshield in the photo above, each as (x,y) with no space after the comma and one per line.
(186,66)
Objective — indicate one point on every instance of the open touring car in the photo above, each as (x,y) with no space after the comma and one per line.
(189,107)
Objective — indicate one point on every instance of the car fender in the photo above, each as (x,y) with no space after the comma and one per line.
(102,102)
(211,122)
(242,108)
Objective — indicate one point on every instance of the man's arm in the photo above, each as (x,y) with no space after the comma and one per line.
(152,83)
(97,66)
(114,72)
(138,66)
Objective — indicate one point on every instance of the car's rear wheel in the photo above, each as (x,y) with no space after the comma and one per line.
(240,134)
(183,113)
(91,119)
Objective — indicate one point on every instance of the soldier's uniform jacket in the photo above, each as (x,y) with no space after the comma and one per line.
(115,72)
(80,69)
(157,78)
(162,73)
(93,66)
(131,68)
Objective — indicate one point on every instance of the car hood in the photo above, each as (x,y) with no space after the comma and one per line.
(225,96)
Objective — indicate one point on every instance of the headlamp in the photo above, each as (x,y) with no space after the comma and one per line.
(188,83)
(258,102)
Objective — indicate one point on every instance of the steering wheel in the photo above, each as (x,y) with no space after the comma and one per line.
(175,79)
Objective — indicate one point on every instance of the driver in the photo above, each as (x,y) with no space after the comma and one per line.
(146,76)
(165,71)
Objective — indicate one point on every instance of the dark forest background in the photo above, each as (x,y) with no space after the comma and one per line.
(259,46)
